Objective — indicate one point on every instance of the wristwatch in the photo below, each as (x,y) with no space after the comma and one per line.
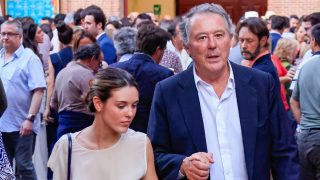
(31,117)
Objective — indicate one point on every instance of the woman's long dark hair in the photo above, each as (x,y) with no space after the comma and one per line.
(29,35)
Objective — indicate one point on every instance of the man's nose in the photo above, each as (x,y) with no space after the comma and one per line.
(243,45)
(212,43)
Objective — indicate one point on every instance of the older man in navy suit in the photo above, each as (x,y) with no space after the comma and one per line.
(144,67)
(218,119)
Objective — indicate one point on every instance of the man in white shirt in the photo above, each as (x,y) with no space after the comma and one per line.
(218,119)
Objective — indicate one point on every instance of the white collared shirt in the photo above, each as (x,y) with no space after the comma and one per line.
(222,130)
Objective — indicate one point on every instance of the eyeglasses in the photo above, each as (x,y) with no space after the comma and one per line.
(9,34)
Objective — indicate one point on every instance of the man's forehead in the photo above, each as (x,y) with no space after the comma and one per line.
(8,27)
(199,18)
(216,18)
(89,18)
(245,32)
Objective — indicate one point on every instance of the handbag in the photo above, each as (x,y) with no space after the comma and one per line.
(69,155)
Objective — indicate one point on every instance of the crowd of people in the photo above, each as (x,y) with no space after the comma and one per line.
(194,97)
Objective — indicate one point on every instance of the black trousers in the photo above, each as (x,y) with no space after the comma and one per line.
(309,153)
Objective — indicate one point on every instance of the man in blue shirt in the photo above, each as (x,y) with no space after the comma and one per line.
(23,80)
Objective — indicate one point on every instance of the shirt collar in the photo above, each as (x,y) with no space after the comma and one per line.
(231,82)
(145,54)
(74,63)
(17,53)
(316,53)
(250,63)
(100,35)
(274,32)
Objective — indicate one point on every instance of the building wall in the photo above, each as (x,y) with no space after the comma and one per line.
(167,6)
(115,7)
(298,7)
(110,7)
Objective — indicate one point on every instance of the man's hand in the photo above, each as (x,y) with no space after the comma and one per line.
(46,116)
(197,166)
(26,128)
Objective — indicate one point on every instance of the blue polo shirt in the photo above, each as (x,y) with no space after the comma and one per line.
(20,75)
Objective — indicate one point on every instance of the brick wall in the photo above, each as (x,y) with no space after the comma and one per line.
(115,7)
(110,7)
(298,7)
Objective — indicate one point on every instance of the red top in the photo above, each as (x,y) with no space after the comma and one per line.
(282,71)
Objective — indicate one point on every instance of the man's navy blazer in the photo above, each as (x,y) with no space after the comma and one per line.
(108,49)
(176,127)
(147,73)
(275,37)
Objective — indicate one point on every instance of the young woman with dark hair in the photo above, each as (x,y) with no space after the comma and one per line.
(107,149)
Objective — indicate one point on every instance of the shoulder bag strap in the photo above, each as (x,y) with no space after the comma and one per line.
(69,155)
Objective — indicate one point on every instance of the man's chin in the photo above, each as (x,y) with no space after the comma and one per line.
(247,58)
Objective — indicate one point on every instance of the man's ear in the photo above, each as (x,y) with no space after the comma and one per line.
(157,55)
(312,42)
(186,47)
(263,41)
(99,25)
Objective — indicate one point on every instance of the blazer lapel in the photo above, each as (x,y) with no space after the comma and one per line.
(190,105)
(247,105)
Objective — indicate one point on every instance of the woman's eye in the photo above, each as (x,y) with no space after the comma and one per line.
(121,106)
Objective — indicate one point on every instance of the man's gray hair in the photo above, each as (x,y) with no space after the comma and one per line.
(125,40)
(201,9)
(69,18)
(16,23)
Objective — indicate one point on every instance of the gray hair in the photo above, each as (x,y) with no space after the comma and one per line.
(69,18)
(16,23)
(88,51)
(125,40)
(201,9)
